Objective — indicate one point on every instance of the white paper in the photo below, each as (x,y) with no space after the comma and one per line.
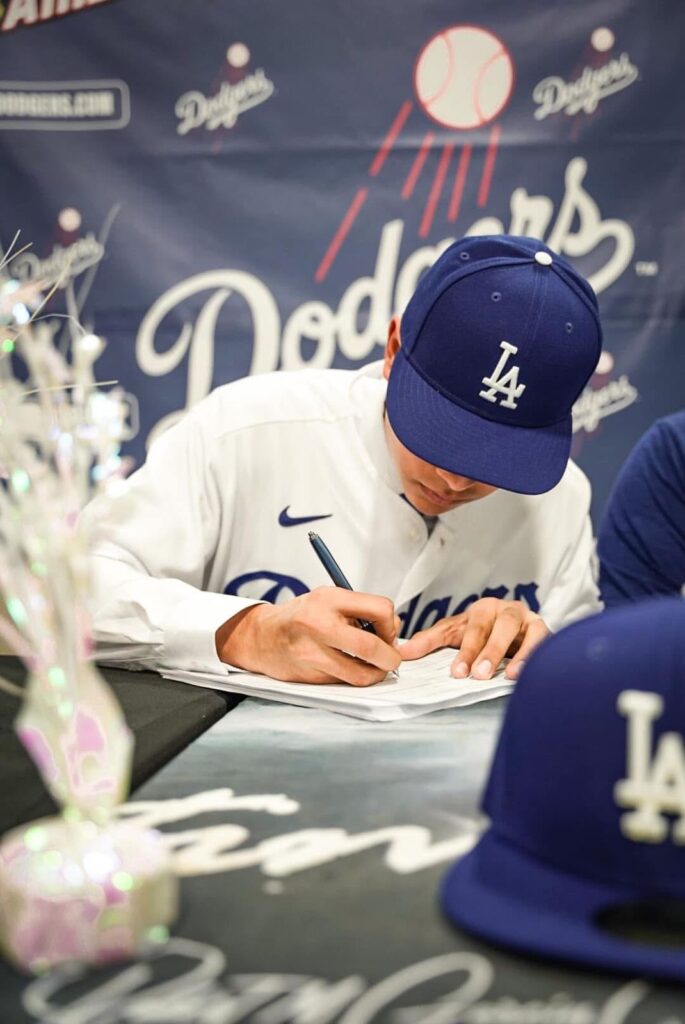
(422,686)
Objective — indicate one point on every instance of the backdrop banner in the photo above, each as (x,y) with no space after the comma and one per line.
(238,186)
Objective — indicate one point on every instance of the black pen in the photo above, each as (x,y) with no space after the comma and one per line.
(335,572)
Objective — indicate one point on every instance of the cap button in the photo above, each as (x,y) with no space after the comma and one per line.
(543,258)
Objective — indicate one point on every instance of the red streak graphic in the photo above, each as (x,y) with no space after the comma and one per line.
(389,140)
(340,235)
(417,166)
(436,189)
(459,182)
(489,165)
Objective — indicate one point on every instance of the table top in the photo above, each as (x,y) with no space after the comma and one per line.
(311,848)
(164,716)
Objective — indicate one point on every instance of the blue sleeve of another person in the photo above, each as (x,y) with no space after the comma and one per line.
(641,544)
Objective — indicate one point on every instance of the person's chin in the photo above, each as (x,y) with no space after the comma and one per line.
(431,504)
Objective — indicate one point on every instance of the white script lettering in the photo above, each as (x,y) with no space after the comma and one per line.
(594,84)
(577,231)
(195,110)
(211,849)
(184,982)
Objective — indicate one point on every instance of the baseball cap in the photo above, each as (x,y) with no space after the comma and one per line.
(586,800)
(498,341)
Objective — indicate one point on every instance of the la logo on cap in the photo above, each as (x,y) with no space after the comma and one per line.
(654,786)
(508,384)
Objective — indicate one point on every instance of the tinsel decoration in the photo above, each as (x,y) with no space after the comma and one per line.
(81,886)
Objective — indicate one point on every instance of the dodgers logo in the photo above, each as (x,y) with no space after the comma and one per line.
(277,584)
(241,91)
(578,229)
(501,383)
(417,614)
(554,94)
(654,787)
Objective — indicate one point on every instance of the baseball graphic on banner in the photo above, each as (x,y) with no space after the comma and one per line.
(464,77)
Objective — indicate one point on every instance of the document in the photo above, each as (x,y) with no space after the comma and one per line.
(421,686)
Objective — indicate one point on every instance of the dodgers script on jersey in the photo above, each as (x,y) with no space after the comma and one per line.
(217,519)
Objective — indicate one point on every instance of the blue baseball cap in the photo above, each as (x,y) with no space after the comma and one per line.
(586,798)
(498,341)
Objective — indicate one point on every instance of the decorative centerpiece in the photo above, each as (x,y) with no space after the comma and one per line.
(80,886)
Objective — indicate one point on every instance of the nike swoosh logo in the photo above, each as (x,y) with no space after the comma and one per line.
(286,520)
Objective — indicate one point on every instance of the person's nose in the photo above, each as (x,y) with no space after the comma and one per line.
(454,482)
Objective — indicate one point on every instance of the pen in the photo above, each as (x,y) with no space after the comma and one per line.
(335,572)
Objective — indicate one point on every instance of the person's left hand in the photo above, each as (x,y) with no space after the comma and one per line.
(489,630)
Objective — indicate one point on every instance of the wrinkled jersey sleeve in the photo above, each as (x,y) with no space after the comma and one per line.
(641,544)
(150,606)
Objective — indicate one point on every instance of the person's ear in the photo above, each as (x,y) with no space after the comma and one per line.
(392,345)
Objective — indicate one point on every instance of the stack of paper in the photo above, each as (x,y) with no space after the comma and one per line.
(422,686)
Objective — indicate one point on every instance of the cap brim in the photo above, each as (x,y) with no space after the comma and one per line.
(506,897)
(529,460)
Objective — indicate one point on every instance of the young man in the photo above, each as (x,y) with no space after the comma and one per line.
(446,495)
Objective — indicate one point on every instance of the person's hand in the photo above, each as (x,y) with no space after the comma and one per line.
(314,638)
(486,632)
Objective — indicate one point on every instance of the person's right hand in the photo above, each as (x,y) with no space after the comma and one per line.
(314,638)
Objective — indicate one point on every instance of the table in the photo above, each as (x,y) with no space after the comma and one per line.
(164,716)
(311,848)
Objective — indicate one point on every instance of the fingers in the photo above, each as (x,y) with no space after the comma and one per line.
(480,618)
(367,647)
(340,667)
(329,647)
(319,661)
(446,633)
(380,611)
(536,632)
(493,629)
(382,616)
(488,641)
(484,634)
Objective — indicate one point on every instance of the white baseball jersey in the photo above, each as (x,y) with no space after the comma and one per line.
(218,518)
